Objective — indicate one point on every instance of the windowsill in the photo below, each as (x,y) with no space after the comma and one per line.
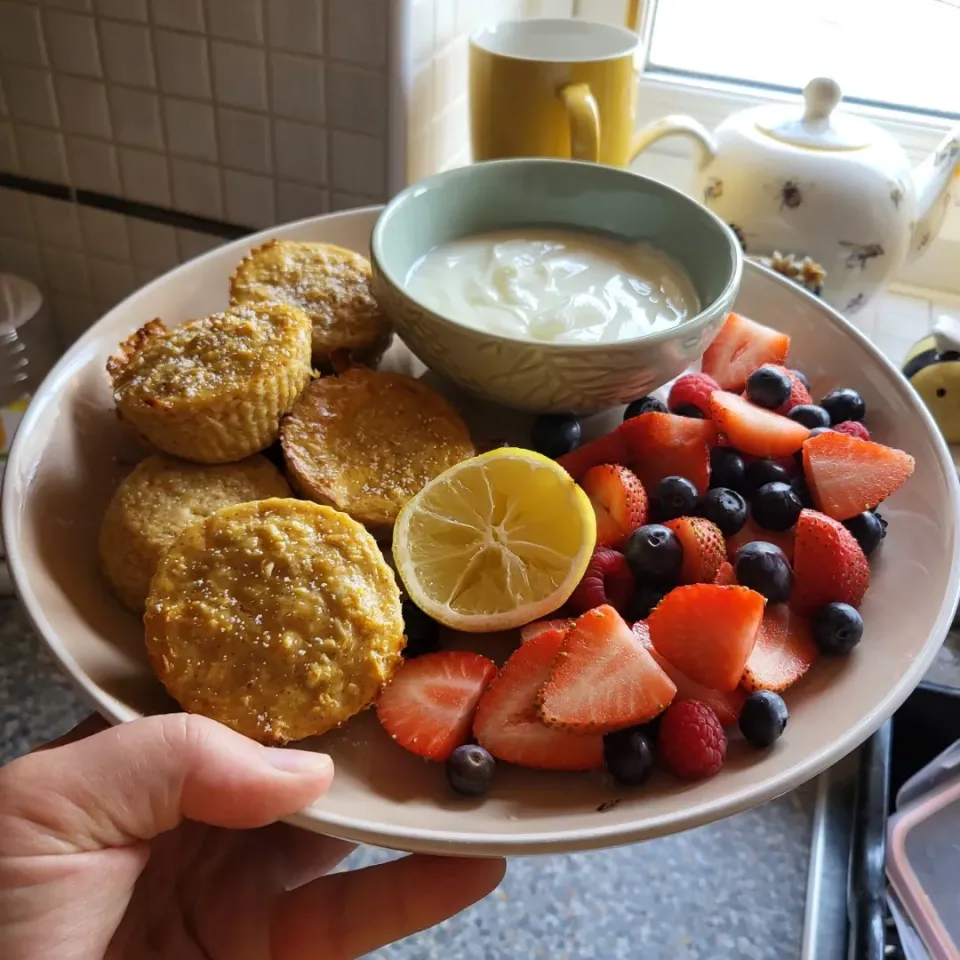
(710,102)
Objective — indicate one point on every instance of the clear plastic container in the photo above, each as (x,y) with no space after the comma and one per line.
(923,858)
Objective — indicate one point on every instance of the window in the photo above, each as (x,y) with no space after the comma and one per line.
(894,60)
(887,53)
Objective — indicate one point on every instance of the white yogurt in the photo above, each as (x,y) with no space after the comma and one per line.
(562,286)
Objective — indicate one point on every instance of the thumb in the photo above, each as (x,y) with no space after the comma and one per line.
(141,779)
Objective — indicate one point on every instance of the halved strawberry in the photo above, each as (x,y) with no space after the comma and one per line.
(726,704)
(725,576)
(506,722)
(618,500)
(847,475)
(662,445)
(751,532)
(603,679)
(708,631)
(557,627)
(429,704)
(783,653)
(828,564)
(704,549)
(606,449)
(754,430)
(739,348)
(799,394)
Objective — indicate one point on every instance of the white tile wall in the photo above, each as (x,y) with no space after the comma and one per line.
(250,111)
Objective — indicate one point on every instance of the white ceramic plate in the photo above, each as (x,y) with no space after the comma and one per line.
(71,452)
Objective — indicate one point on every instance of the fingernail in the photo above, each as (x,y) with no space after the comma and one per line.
(291,760)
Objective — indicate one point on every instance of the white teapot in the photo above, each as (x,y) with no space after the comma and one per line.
(823,184)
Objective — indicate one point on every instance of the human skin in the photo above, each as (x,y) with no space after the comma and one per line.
(159,840)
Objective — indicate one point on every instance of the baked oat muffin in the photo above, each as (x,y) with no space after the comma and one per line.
(158,500)
(329,283)
(367,441)
(214,389)
(279,618)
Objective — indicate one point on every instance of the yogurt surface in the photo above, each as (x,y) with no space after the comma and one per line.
(564,286)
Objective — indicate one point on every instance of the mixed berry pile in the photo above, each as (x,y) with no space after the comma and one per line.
(734,526)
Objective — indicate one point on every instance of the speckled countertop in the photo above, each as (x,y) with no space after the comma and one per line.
(733,889)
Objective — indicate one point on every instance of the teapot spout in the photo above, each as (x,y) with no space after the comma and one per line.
(933,181)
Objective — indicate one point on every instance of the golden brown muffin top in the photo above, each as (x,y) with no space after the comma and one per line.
(215,355)
(367,441)
(279,618)
(329,283)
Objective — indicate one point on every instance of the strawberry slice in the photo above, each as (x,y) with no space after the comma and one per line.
(828,564)
(606,449)
(558,627)
(506,722)
(726,705)
(618,500)
(751,532)
(662,445)
(725,576)
(754,430)
(783,653)
(604,679)
(708,631)
(847,475)
(739,348)
(429,704)
(704,549)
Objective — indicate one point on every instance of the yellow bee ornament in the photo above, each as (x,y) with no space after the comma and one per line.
(932,366)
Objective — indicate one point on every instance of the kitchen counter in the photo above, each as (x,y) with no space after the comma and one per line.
(733,890)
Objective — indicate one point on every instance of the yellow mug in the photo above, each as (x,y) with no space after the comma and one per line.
(556,88)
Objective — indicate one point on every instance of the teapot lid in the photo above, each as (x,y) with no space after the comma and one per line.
(819,128)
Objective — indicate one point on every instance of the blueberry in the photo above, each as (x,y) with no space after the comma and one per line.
(628,756)
(810,415)
(762,718)
(648,595)
(555,434)
(644,405)
(868,530)
(654,554)
(689,410)
(816,431)
(423,634)
(727,468)
(769,388)
(470,770)
(764,567)
(844,404)
(802,491)
(776,506)
(676,497)
(802,377)
(837,629)
(761,472)
(724,507)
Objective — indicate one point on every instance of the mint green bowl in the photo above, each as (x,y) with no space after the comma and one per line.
(534,375)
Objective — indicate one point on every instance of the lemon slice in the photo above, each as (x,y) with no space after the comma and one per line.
(495,542)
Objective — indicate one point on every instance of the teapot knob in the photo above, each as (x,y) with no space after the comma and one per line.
(820,96)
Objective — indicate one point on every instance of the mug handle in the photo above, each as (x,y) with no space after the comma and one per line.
(584,117)
(675,125)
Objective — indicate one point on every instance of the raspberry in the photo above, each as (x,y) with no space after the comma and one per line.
(799,394)
(853,429)
(691,743)
(608,580)
(695,389)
